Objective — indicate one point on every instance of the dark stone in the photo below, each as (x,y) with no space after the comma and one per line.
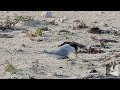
(93,71)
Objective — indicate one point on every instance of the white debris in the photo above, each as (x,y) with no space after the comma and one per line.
(63,19)
(115,71)
(46,14)
(5,11)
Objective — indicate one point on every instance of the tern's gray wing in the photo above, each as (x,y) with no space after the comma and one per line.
(61,52)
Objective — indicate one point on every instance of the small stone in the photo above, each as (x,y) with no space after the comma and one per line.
(93,71)
(60,67)
(23,45)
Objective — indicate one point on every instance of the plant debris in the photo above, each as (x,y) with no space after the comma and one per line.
(97,30)
(8,24)
(45,29)
(64,31)
(38,40)
(10,68)
(103,40)
(79,25)
(115,33)
(91,50)
(23,18)
(76,20)
(38,32)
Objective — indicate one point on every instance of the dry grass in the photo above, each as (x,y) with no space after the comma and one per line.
(11,68)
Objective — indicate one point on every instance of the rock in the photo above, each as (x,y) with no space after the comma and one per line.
(46,14)
(36,68)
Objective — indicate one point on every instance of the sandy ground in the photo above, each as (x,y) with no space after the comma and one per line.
(30,63)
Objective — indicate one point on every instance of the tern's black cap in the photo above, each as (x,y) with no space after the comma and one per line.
(74,44)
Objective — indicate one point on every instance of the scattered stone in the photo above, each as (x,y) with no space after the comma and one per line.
(64,31)
(24,31)
(60,75)
(93,71)
(107,41)
(94,22)
(6,36)
(114,32)
(23,45)
(37,68)
(19,50)
(76,21)
(32,77)
(73,63)
(60,67)
(45,29)
(105,25)
(36,39)
(91,50)
(94,76)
